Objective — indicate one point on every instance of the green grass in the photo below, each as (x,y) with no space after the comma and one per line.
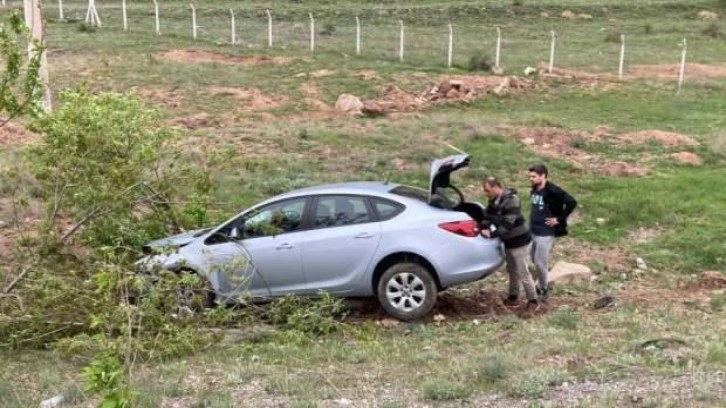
(259,156)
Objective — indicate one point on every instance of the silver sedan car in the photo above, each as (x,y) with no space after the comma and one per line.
(398,243)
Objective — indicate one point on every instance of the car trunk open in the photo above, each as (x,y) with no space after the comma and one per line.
(440,180)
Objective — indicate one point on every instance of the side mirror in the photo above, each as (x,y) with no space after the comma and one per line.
(234,233)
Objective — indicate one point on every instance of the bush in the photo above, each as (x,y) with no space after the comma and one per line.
(713,31)
(494,368)
(612,36)
(314,317)
(328,29)
(445,390)
(480,62)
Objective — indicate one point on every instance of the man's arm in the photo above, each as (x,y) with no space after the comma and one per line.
(569,204)
(506,222)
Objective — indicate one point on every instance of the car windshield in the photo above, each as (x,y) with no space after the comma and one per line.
(440,200)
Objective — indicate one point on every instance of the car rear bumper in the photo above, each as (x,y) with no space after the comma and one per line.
(470,262)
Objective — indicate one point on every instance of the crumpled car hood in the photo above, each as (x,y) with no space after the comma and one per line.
(178,240)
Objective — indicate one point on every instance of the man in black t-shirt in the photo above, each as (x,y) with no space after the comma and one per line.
(551,205)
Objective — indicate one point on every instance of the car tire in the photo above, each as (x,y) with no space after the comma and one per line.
(407,291)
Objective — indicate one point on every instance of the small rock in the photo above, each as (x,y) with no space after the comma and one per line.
(453,94)
(568,14)
(604,302)
(54,402)
(349,104)
(529,141)
(344,402)
(498,71)
(600,221)
(572,273)
(372,109)
(503,86)
(444,87)
(640,263)
(544,14)
(476,322)
(623,276)
(584,16)
(530,71)
(439,318)
(300,75)
(389,323)
(707,15)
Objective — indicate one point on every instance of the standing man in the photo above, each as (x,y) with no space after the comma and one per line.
(503,219)
(551,205)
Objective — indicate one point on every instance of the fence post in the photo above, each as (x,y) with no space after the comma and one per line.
(233,29)
(34,22)
(357,35)
(194,21)
(499,46)
(451,45)
(156,14)
(92,14)
(400,45)
(269,28)
(552,51)
(622,56)
(683,65)
(60,9)
(312,33)
(124,15)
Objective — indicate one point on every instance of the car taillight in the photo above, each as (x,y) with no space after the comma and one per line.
(464,228)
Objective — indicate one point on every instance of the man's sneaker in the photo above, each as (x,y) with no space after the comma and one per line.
(511,300)
(544,295)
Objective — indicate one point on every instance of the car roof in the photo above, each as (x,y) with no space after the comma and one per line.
(353,187)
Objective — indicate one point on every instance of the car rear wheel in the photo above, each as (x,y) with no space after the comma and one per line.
(407,291)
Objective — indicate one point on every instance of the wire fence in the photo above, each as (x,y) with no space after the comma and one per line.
(512,45)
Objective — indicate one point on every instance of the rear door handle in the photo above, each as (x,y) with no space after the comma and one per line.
(363,235)
(284,246)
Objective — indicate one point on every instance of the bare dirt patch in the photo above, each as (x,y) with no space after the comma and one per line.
(667,139)
(201,56)
(671,71)
(563,144)
(643,235)
(449,89)
(687,158)
(14,134)
(169,98)
(253,98)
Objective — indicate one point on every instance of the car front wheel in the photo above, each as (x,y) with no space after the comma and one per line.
(407,291)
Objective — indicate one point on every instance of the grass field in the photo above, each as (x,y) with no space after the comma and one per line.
(618,146)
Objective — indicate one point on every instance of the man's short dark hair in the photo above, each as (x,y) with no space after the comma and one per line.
(492,181)
(540,169)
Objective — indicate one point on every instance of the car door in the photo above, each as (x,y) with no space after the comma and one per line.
(340,244)
(263,254)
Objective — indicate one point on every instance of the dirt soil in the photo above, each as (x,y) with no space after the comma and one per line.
(667,139)
(671,71)
(449,89)
(201,56)
(562,144)
(14,134)
(253,98)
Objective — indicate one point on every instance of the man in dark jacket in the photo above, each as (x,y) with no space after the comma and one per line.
(551,206)
(503,219)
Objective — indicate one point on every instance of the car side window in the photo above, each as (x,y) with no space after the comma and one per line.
(336,211)
(274,219)
(386,209)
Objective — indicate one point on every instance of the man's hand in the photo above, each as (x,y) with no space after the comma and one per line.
(551,222)
(486,233)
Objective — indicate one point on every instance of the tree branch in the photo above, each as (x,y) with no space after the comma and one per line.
(15,281)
